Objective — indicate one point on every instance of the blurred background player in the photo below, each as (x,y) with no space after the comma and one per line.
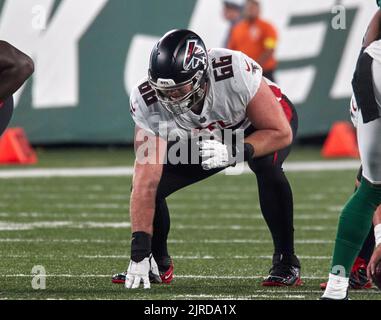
(199,92)
(356,217)
(15,68)
(256,38)
(232,13)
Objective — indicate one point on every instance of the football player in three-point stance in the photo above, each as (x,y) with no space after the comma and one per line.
(195,93)
(356,217)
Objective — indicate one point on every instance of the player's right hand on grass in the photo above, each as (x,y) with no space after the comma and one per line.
(139,272)
(374,260)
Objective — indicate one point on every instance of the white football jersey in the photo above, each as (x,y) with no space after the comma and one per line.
(234,80)
(374,50)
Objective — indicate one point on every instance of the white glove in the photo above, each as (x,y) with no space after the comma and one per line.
(216,155)
(139,272)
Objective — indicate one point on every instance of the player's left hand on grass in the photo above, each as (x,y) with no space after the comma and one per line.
(376,257)
(139,272)
(215,155)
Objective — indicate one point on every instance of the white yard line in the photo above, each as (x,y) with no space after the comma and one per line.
(188,276)
(175,216)
(244,241)
(122,257)
(251,228)
(235,216)
(336,165)
(257,293)
(211,241)
(94,257)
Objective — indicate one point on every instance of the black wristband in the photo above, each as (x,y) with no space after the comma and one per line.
(248,151)
(140,246)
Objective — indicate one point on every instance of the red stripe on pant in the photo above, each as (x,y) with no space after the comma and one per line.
(275,159)
(285,105)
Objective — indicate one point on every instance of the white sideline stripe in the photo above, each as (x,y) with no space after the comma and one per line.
(176,216)
(213,241)
(66,172)
(9,226)
(128,171)
(339,165)
(16,226)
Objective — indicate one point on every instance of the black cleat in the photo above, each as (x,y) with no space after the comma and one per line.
(284,272)
(359,278)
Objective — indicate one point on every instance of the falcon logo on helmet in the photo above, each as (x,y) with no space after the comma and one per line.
(194,56)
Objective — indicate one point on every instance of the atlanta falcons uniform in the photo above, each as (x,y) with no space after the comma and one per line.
(234,79)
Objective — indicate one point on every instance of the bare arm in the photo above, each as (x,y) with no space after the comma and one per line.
(267,116)
(147,174)
(376,257)
(15,68)
(373,32)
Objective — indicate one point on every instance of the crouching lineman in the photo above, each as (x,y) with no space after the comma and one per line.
(356,217)
(15,69)
(192,90)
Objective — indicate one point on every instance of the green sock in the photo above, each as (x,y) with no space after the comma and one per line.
(354,224)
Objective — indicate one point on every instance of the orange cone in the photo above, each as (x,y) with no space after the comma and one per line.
(15,148)
(341,142)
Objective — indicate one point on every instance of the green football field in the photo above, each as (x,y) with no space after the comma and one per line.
(77,228)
